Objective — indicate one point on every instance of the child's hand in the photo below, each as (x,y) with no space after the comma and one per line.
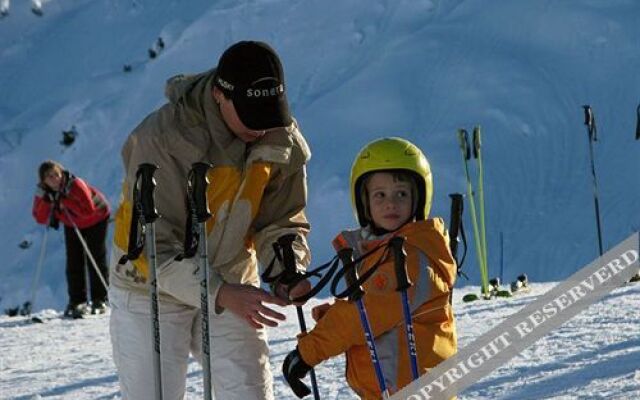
(318,311)
(294,369)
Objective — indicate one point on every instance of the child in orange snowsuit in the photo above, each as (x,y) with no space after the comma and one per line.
(391,190)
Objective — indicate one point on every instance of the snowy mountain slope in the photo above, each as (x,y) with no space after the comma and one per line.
(356,71)
(595,355)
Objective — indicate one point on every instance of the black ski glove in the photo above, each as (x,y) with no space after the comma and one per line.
(294,369)
(55,206)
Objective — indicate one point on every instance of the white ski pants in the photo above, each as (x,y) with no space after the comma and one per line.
(239,354)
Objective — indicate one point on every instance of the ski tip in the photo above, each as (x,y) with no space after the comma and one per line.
(37,320)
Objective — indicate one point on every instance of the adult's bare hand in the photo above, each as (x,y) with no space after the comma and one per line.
(300,289)
(246,302)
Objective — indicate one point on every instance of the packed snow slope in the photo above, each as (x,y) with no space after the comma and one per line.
(595,355)
(356,71)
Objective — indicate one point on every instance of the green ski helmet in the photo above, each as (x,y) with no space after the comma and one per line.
(391,154)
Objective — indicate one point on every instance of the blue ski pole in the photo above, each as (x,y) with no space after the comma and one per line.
(351,277)
(402,278)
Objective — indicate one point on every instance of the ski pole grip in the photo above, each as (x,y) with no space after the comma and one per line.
(400,259)
(476,141)
(351,274)
(147,187)
(457,200)
(590,122)
(588,115)
(198,183)
(463,137)
(288,258)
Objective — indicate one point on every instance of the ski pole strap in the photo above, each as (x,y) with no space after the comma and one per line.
(290,270)
(638,124)
(464,255)
(191,234)
(359,280)
(144,182)
(476,141)
(197,208)
(456,229)
(457,204)
(144,177)
(332,265)
(283,252)
(590,122)
(351,274)
(463,137)
(400,263)
(292,279)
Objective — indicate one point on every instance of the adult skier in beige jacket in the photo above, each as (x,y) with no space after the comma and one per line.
(235,117)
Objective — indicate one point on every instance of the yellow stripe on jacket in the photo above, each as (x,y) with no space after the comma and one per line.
(224,190)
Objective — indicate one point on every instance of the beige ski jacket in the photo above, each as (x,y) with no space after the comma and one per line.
(257,193)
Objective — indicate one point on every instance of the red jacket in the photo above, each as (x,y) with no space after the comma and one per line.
(83,203)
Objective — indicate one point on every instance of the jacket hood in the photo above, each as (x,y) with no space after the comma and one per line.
(191,95)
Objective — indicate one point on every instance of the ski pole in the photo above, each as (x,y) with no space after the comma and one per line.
(28,307)
(590,122)
(466,155)
(404,283)
(289,263)
(477,153)
(196,239)
(351,277)
(87,251)
(501,257)
(144,201)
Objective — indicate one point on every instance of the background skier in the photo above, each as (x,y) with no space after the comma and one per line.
(63,197)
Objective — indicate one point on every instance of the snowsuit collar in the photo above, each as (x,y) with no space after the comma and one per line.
(192,97)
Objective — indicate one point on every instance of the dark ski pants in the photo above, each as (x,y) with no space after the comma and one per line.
(95,236)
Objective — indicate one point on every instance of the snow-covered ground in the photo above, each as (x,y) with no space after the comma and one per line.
(596,355)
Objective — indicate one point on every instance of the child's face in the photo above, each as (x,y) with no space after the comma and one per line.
(390,202)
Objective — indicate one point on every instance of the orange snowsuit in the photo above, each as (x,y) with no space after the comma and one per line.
(432,270)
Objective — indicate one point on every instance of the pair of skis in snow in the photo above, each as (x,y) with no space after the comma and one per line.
(496,290)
